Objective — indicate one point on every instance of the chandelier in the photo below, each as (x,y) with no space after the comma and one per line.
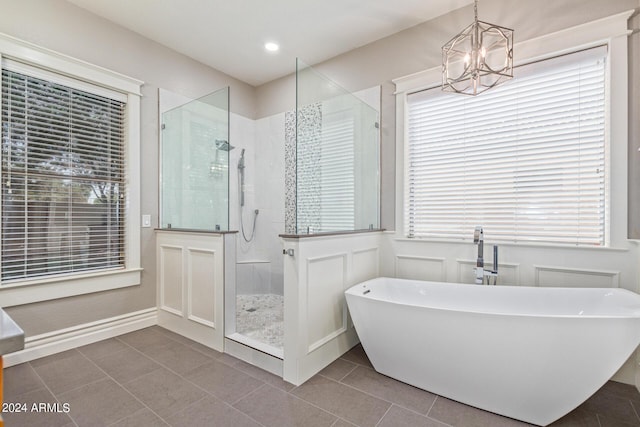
(478,58)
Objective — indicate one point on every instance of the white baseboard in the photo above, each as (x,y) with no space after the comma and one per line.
(65,339)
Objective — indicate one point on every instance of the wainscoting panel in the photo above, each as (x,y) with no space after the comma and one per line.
(421,268)
(561,276)
(170,278)
(201,295)
(326,282)
(191,285)
(366,265)
(317,271)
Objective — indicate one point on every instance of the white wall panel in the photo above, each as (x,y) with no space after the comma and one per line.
(170,265)
(326,282)
(201,295)
(366,265)
(191,268)
(420,268)
(572,277)
(321,268)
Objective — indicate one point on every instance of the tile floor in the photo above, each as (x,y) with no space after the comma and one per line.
(154,377)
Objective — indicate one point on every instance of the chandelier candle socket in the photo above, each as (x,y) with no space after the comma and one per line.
(478,58)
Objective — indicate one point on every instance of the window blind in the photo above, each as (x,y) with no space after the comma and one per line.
(337,174)
(63,179)
(525,160)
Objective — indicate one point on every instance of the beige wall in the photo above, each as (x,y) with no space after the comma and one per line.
(419,48)
(63,27)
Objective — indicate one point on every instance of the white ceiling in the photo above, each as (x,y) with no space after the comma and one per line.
(229,35)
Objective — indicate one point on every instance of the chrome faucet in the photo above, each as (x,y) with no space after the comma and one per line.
(478,239)
(481,272)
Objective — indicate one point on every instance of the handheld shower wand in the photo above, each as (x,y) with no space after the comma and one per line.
(241,173)
(241,168)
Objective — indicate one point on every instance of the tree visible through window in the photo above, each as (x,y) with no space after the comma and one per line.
(63,179)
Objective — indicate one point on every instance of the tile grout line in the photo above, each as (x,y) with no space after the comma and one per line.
(598,419)
(169,368)
(52,393)
(633,408)
(244,396)
(125,389)
(384,415)
(310,403)
(256,377)
(240,410)
(400,405)
(339,417)
(385,400)
(347,385)
(349,373)
(431,407)
(207,392)
(139,411)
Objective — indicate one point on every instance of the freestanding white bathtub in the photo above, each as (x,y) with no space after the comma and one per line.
(528,353)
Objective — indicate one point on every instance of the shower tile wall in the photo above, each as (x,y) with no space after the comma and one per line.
(270,193)
(260,267)
(254,278)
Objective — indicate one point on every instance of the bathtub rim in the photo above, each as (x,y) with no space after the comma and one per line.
(352,291)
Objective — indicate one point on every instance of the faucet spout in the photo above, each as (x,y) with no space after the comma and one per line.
(481,272)
(478,239)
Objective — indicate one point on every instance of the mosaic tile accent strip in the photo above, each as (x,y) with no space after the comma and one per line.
(290,172)
(302,205)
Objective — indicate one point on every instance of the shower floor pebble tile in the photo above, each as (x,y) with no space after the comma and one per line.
(261,317)
(227,392)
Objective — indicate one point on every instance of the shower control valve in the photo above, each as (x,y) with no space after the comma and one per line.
(289,252)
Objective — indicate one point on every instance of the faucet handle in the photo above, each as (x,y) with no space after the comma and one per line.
(495,258)
(478,235)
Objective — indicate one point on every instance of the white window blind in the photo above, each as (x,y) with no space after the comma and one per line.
(525,160)
(337,174)
(63,179)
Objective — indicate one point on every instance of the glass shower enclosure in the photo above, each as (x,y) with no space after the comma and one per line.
(194,169)
(337,157)
(331,177)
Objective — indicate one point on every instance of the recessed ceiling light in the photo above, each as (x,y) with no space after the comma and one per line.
(271,46)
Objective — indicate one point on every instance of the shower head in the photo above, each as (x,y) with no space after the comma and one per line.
(223,145)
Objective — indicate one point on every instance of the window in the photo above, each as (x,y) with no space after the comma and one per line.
(525,160)
(69,164)
(63,179)
(337,175)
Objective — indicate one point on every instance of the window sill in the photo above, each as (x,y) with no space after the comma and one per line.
(521,244)
(27,292)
